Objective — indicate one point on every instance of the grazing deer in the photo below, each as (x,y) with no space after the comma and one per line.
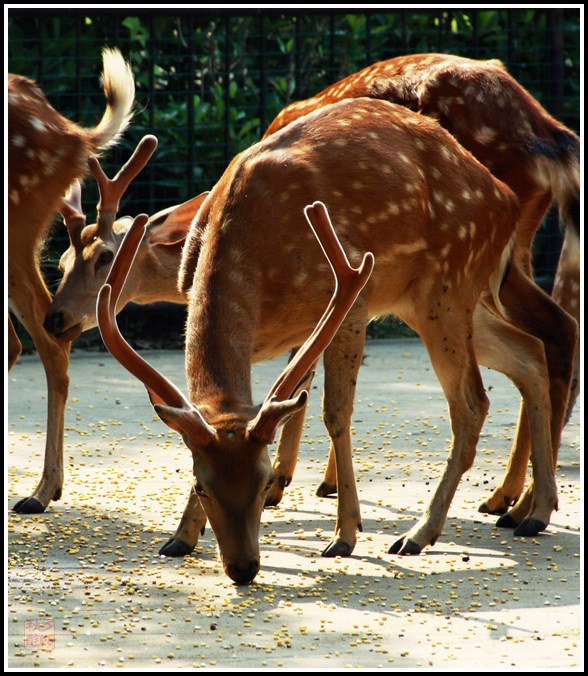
(440,227)
(87,261)
(507,130)
(46,154)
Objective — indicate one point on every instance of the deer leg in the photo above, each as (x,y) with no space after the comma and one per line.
(286,454)
(521,357)
(511,487)
(14,344)
(286,457)
(452,357)
(342,360)
(533,311)
(29,300)
(566,292)
(328,485)
(191,526)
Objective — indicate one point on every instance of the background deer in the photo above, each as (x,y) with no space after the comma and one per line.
(46,154)
(440,227)
(507,130)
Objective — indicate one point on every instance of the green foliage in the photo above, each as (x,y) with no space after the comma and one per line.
(210,81)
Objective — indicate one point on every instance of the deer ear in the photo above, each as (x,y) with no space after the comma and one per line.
(172,225)
(272,414)
(188,422)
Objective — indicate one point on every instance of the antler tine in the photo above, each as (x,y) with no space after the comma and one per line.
(111,190)
(349,282)
(161,390)
(70,208)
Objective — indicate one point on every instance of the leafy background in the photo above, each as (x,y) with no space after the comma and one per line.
(209,82)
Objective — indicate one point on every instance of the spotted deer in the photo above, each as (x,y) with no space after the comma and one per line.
(440,227)
(509,132)
(87,261)
(46,153)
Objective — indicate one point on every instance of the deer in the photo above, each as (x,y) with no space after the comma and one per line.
(537,159)
(47,153)
(441,228)
(506,129)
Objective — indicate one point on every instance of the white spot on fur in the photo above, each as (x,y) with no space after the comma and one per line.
(410,247)
(485,135)
(38,124)
(14,197)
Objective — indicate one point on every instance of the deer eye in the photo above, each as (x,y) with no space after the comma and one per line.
(200,491)
(104,259)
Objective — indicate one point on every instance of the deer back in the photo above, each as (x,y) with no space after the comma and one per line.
(395,183)
(484,108)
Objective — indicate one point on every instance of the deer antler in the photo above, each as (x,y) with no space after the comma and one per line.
(160,389)
(111,190)
(349,282)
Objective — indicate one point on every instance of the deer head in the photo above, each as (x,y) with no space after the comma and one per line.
(85,264)
(229,441)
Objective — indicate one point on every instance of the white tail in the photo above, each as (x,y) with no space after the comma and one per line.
(438,224)
(47,153)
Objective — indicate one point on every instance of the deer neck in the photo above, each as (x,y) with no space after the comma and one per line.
(159,276)
(220,329)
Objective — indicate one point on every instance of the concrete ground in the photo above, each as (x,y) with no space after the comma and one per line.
(85,581)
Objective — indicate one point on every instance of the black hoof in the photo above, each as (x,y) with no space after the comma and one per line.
(272,501)
(284,481)
(337,549)
(326,489)
(29,506)
(506,521)
(176,548)
(405,547)
(529,527)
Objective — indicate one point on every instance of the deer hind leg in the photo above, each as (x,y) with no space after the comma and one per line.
(521,357)
(29,300)
(566,292)
(342,361)
(286,454)
(533,311)
(14,344)
(191,526)
(448,341)
(328,485)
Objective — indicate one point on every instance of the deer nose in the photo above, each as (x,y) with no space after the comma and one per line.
(54,323)
(243,573)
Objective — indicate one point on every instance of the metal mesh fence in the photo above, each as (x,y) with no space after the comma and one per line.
(210,81)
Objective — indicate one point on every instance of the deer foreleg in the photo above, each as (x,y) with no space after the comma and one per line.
(342,361)
(191,526)
(29,299)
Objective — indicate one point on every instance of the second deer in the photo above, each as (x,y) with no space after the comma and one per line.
(46,153)
(441,229)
